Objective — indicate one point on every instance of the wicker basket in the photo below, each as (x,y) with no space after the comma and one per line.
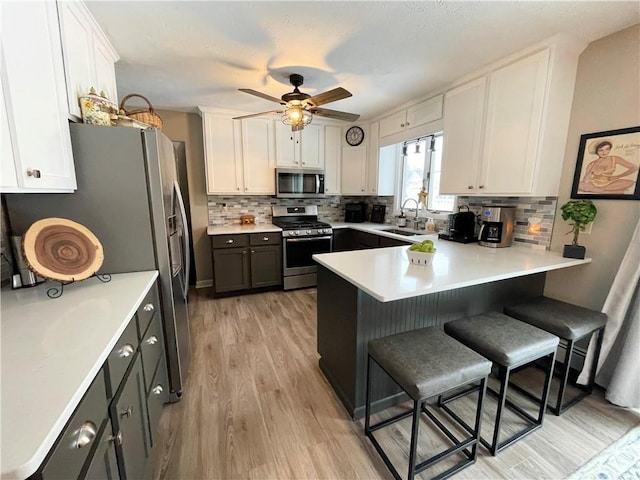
(145,115)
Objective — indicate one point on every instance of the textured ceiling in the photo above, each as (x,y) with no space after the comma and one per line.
(187,54)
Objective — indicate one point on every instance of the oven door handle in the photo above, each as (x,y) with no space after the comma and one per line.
(307,239)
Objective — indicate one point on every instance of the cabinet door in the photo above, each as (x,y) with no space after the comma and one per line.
(354,170)
(287,146)
(35,88)
(513,125)
(394,123)
(129,417)
(312,151)
(266,266)
(105,73)
(424,112)
(104,465)
(157,397)
(258,154)
(344,240)
(231,269)
(332,155)
(373,157)
(463,127)
(223,156)
(8,178)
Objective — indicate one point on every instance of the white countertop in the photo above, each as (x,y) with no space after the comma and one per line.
(387,275)
(52,349)
(239,228)
(379,229)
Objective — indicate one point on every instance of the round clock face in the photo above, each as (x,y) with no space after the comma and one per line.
(355,136)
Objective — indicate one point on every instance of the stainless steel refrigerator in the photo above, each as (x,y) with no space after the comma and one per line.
(128,195)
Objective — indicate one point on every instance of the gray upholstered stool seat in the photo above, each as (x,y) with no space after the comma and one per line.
(569,322)
(510,344)
(426,363)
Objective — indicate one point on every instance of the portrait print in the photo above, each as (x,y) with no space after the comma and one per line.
(608,165)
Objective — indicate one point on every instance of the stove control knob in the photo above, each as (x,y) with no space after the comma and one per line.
(308,232)
(326,230)
(295,232)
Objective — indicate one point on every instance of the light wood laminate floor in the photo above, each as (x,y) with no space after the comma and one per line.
(256,406)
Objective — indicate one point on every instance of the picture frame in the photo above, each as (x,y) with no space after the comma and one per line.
(608,165)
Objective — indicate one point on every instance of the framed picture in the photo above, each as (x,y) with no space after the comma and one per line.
(608,164)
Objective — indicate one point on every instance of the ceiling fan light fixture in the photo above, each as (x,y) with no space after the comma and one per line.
(296,116)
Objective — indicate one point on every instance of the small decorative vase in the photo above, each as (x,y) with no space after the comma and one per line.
(574,251)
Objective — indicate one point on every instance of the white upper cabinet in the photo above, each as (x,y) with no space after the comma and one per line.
(239,154)
(381,172)
(303,149)
(89,58)
(332,159)
(505,132)
(407,124)
(35,133)
(354,170)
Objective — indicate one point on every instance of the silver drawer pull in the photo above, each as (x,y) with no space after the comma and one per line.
(35,173)
(127,412)
(152,340)
(266,239)
(126,351)
(148,307)
(157,390)
(86,433)
(229,242)
(117,439)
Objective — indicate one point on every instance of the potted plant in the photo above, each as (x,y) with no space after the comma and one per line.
(581,213)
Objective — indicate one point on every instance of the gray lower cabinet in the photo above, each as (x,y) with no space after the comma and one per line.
(129,418)
(392,242)
(246,261)
(109,435)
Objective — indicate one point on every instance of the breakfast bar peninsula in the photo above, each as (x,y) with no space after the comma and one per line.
(367,294)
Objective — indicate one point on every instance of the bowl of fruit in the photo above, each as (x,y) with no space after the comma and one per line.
(421,253)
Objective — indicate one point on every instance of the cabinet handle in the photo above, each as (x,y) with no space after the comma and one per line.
(117,439)
(148,307)
(304,163)
(407,124)
(244,252)
(127,412)
(237,188)
(481,186)
(86,433)
(266,239)
(157,390)
(362,190)
(229,242)
(470,187)
(253,251)
(126,351)
(152,340)
(402,124)
(35,173)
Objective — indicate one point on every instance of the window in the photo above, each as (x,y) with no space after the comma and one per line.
(421,168)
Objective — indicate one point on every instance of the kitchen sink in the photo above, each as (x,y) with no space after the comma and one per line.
(400,232)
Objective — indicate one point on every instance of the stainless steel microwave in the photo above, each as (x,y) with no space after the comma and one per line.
(299,183)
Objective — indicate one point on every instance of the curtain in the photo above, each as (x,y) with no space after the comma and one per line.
(618,367)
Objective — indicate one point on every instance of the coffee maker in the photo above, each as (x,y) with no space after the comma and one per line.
(497,226)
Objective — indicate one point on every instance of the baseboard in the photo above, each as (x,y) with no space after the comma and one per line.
(204,283)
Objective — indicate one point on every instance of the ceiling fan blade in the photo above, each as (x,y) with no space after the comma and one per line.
(257,114)
(330,96)
(261,95)
(325,112)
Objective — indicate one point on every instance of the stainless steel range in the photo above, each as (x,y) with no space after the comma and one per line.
(302,236)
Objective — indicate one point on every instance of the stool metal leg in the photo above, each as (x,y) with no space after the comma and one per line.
(503,376)
(547,387)
(414,439)
(367,405)
(594,366)
(566,365)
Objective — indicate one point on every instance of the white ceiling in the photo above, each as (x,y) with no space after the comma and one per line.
(187,54)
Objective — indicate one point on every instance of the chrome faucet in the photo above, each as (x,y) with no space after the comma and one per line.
(415,219)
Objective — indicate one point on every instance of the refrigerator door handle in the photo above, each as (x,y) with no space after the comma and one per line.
(185,238)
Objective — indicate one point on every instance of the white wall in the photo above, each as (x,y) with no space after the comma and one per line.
(607,97)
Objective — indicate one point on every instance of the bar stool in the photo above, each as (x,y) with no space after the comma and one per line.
(571,323)
(426,363)
(509,344)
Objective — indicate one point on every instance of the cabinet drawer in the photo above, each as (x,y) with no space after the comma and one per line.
(151,348)
(271,238)
(76,441)
(158,396)
(227,241)
(148,308)
(121,356)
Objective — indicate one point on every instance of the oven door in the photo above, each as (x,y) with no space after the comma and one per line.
(297,253)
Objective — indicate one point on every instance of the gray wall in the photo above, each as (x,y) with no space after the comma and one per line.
(606,97)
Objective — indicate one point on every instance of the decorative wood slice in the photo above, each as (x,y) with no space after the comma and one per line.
(61,249)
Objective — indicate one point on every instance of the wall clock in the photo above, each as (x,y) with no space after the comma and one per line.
(354,136)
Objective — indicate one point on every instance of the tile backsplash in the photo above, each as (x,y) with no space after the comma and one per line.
(227,209)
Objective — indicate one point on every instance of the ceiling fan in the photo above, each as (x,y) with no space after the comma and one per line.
(299,108)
